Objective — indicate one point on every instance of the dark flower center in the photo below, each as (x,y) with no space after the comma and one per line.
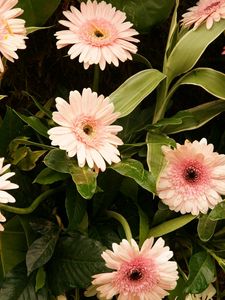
(135,275)
(98,33)
(191,174)
(88,129)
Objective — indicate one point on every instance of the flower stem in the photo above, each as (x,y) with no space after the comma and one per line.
(96,78)
(33,206)
(122,221)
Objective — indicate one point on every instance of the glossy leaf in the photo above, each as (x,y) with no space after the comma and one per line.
(210,80)
(195,117)
(145,13)
(28,162)
(135,89)
(135,170)
(190,47)
(171,225)
(75,260)
(206,228)
(36,13)
(49,176)
(201,272)
(84,178)
(218,213)
(41,251)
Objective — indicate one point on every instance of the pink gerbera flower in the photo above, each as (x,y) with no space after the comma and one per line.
(2,219)
(145,274)
(98,34)
(193,178)
(85,129)
(207,11)
(12,31)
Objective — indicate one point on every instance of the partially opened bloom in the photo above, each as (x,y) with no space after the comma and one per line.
(207,294)
(145,274)
(98,34)
(85,129)
(193,179)
(5,184)
(208,11)
(12,31)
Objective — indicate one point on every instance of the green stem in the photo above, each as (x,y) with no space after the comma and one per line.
(96,78)
(33,206)
(161,103)
(122,221)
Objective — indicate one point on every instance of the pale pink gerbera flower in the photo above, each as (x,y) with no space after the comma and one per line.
(193,178)
(207,11)
(85,129)
(98,34)
(145,274)
(2,219)
(12,31)
(207,294)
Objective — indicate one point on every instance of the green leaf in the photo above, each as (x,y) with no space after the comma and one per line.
(11,127)
(75,260)
(210,80)
(171,225)
(127,97)
(33,29)
(206,228)
(178,293)
(40,279)
(196,117)
(41,250)
(145,13)
(36,13)
(84,178)
(143,226)
(49,176)
(190,47)
(17,286)
(218,212)
(28,162)
(201,274)
(155,157)
(135,170)
(13,244)
(75,208)
(34,123)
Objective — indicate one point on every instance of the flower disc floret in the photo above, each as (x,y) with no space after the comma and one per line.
(145,274)
(98,34)
(85,129)
(193,179)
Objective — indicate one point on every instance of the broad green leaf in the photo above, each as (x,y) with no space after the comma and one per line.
(17,286)
(11,127)
(218,213)
(201,272)
(75,260)
(196,117)
(190,47)
(84,178)
(144,13)
(127,97)
(143,226)
(13,244)
(171,225)
(75,208)
(41,251)
(155,157)
(40,279)
(36,13)
(206,228)
(135,170)
(28,162)
(34,123)
(210,80)
(49,176)
(178,293)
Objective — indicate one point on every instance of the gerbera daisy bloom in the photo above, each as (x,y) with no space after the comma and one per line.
(207,294)
(207,11)
(12,31)
(2,219)
(145,274)
(5,184)
(85,129)
(98,34)
(193,178)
